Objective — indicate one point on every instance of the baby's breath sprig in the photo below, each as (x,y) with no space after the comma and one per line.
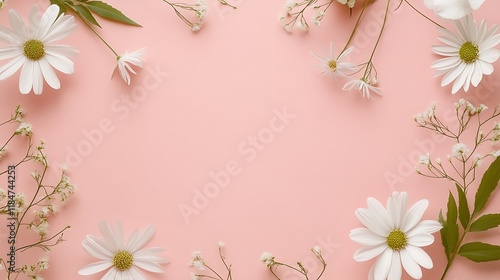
(295,13)
(270,261)
(31,213)
(463,218)
(199,263)
(199,9)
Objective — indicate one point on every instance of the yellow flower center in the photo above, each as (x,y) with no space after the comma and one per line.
(397,240)
(469,52)
(34,49)
(123,260)
(332,64)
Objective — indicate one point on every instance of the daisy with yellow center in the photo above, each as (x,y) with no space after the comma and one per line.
(30,48)
(336,66)
(395,235)
(469,54)
(122,259)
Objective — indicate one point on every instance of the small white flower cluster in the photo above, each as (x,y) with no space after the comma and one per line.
(65,189)
(24,129)
(33,271)
(3,151)
(462,157)
(268,259)
(198,262)
(295,11)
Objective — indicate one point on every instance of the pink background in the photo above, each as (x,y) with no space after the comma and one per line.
(222,86)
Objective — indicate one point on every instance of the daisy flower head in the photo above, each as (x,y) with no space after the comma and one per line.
(364,87)
(123,259)
(395,235)
(469,53)
(453,9)
(123,63)
(31,48)
(336,66)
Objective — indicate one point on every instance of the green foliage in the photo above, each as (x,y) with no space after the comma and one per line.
(87,9)
(480,252)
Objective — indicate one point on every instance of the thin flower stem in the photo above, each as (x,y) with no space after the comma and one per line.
(97,34)
(420,13)
(354,29)
(368,68)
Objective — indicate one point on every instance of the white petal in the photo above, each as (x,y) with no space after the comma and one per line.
(414,215)
(62,27)
(475,4)
(149,266)
(365,236)
(17,24)
(372,221)
(426,226)
(490,56)
(453,74)
(396,271)
(111,275)
(37,78)
(380,213)
(411,267)
(96,249)
(49,75)
(136,274)
(26,79)
(446,63)
(421,239)
(11,67)
(420,256)
(62,50)
(143,238)
(112,237)
(477,75)
(383,265)
(60,62)
(10,52)
(95,267)
(486,68)
(368,252)
(46,21)
(460,81)
(396,208)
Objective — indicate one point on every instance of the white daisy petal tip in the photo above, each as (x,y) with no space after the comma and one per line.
(115,255)
(35,49)
(400,247)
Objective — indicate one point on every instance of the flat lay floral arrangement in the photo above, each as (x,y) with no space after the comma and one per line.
(392,235)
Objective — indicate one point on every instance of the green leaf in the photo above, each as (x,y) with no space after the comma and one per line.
(444,233)
(82,10)
(108,12)
(488,184)
(486,222)
(480,252)
(463,207)
(451,220)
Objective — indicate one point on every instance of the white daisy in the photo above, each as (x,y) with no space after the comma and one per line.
(453,9)
(395,235)
(31,47)
(122,258)
(134,58)
(336,66)
(469,53)
(365,88)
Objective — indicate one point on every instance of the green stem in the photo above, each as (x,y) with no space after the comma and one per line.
(354,29)
(420,13)
(97,34)
(369,63)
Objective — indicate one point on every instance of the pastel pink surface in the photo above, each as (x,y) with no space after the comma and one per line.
(141,152)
